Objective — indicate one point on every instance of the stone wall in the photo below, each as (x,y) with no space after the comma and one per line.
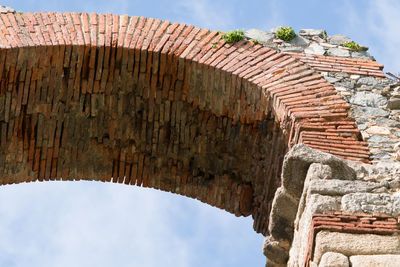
(337,220)
(346,216)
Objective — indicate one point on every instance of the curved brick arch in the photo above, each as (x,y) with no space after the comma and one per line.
(158,104)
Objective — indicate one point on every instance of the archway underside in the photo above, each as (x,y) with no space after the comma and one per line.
(168,106)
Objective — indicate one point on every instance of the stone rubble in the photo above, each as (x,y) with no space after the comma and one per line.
(375,101)
(309,41)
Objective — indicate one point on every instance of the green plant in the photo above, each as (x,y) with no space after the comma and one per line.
(255,41)
(233,36)
(352,45)
(324,35)
(20,12)
(286,34)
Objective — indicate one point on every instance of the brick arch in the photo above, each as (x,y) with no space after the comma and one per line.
(157,104)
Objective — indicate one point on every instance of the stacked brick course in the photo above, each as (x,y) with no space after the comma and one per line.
(337,221)
(153,103)
(165,105)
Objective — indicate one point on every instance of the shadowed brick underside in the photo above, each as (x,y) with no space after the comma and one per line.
(164,105)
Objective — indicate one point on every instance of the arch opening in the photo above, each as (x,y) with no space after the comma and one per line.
(156,104)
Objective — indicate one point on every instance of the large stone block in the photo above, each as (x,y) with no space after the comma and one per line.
(298,160)
(320,203)
(372,203)
(340,187)
(368,100)
(273,250)
(355,244)
(259,35)
(319,171)
(282,216)
(375,260)
(333,259)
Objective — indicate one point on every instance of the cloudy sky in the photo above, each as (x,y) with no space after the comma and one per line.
(95,224)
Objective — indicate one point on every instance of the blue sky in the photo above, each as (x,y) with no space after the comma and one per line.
(96,224)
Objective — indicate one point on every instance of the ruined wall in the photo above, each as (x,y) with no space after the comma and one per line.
(174,107)
(348,213)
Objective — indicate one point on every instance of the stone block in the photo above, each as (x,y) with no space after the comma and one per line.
(338,39)
(363,55)
(312,32)
(394,103)
(6,9)
(300,41)
(378,130)
(372,203)
(333,259)
(338,52)
(320,203)
(259,35)
(355,244)
(297,162)
(315,49)
(368,100)
(273,250)
(375,260)
(368,111)
(340,187)
(319,171)
(282,216)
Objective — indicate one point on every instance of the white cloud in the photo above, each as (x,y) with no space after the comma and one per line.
(96,224)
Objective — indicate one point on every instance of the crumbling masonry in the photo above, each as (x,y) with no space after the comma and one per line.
(303,136)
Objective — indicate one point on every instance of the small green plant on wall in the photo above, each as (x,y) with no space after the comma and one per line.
(286,34)
(255,41)
(352,45)
(233,36)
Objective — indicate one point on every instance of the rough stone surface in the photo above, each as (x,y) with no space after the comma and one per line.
(340,187)
(314,49)
(367,111)
(319,171)
(299,41)
(332,259)
(338,52)
(296,168)
(362,55)
(320,203)
(312,32)
(283,212)
(355,244)
(259,35)
(394,103)
(273,250)
(296,164)
(382,260)
(338,39)
(378,130)
(368,100)
(372,203)
(6,9)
